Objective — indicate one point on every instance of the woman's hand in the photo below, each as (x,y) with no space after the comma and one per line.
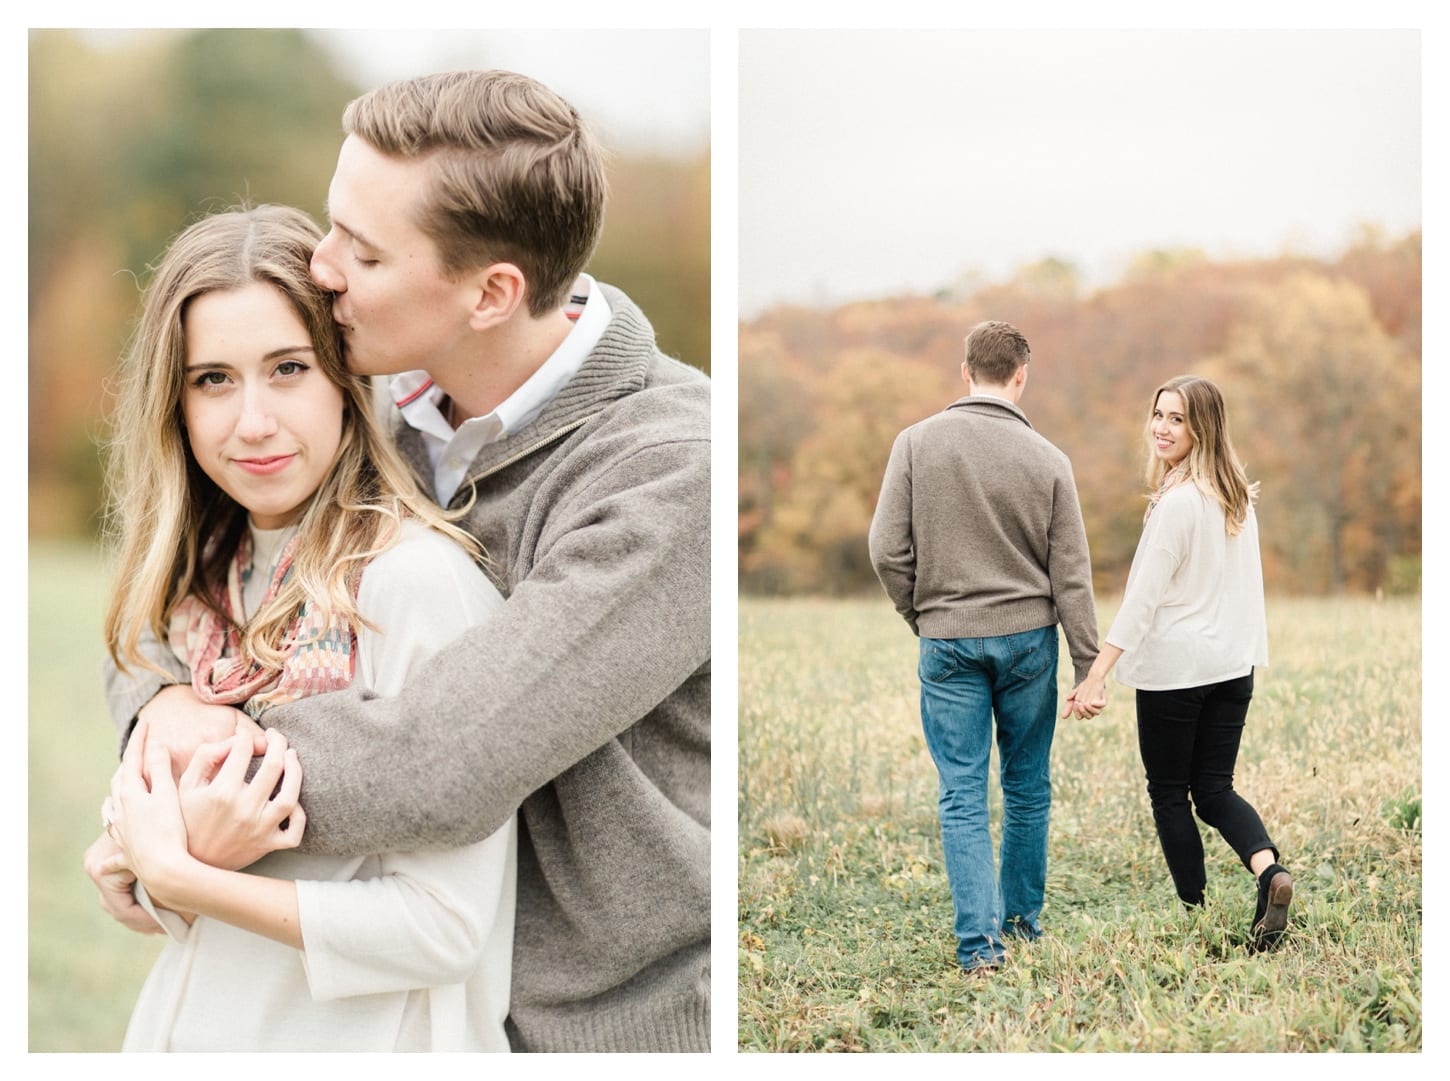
(232,822)
(145,814)
(1088,698)
(106,865)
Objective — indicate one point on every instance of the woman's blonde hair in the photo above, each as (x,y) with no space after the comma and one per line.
(1213,464)
(173,529)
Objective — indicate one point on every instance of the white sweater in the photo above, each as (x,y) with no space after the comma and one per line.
(402,951)
(1193,609)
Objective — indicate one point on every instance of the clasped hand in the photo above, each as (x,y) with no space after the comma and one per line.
(212,813)
(1088,699)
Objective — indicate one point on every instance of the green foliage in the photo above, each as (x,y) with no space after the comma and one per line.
(1403,811)
(845,939)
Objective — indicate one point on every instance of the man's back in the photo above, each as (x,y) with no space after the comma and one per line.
(978,531)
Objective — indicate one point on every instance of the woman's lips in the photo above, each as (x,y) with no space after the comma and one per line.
(264,466)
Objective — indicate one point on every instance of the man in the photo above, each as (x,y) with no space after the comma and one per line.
(463,210)
(979,541)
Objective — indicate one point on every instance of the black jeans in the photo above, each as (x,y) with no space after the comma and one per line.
(1189,740)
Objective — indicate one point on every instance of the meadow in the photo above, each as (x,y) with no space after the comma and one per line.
(845,939)
(85,969)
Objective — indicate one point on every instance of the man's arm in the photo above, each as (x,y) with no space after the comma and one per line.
(893,549)
(612,619)
(129,691)
(1070,575)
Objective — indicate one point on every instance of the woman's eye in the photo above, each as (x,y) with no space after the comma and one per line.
(209,379)
(291,367)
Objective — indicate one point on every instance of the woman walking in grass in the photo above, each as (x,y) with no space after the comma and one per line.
(271,534)
(1189,634)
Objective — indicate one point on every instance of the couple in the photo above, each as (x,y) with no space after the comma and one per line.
(481,814)
(979,542)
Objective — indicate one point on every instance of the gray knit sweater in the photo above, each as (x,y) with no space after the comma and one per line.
(585,704)
(978,532)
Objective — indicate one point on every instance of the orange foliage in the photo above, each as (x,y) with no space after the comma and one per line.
(1320,364)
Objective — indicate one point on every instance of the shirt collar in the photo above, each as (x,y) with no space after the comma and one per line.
(419,399)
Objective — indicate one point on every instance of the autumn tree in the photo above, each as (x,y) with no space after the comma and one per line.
(1325,408)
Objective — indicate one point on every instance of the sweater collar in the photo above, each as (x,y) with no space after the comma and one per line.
(986,405)
(618,365)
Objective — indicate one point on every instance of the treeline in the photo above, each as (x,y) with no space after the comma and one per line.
(130,144)
(1319,361)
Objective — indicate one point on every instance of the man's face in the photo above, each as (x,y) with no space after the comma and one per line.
(395,309)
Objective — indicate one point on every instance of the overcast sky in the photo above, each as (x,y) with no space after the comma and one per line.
(880,162)
(644,90)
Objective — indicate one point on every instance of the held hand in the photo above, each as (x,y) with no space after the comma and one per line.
(105,863)
(232,822)
(181,722)
(1088,698)
(146,821)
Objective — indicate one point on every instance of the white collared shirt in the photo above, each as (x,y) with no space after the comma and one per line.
(451,452)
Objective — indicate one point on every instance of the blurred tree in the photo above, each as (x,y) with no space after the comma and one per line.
(777,412)
(824,392)
(128,145)
(1329,408)
(656,247)
(132,140)
(818,530)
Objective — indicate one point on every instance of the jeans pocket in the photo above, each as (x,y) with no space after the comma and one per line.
(938,660)
(1033,652)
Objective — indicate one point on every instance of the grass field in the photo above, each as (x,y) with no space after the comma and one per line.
(85,970)
(845,917)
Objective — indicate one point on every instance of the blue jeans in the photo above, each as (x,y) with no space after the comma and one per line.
(964,682)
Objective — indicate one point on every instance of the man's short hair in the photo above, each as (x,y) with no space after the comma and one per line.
(995,350)
(518,178)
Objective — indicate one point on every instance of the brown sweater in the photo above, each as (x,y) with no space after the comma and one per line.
(978,532)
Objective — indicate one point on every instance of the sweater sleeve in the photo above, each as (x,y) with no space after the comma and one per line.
(425,919)
(612,619)
(1070,575)
(1162,548)
(127,692)
(892,548)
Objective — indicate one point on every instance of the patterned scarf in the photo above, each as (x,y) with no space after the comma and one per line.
(320,655)
(1171,479)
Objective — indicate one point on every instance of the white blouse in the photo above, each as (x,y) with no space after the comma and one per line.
(402,951)
(1193,609)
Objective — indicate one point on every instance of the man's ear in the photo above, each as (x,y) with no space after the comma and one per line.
(500,290)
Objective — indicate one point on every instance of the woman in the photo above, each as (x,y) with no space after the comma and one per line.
(269,531)
(1190,632)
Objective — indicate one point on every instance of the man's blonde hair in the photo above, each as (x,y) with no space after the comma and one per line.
(517,177)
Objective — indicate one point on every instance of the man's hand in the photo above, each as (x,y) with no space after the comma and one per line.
(1088,699)
(232,822)
(181,721)
(106,866)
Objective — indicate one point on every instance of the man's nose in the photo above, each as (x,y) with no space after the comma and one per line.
(324,273)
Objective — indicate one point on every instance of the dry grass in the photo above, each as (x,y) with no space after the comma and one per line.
(845,916)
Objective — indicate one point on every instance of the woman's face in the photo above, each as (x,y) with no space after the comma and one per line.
(1171,438)
(263,420)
